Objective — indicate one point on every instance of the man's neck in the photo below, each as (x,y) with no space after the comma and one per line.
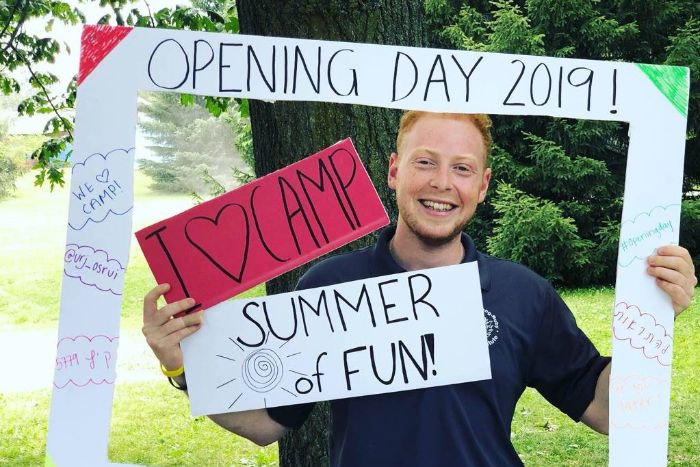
(412,253)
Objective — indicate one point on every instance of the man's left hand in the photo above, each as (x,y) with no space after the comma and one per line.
(675,274)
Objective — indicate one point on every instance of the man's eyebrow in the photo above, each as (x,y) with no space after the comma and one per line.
(461,157)
(423,150)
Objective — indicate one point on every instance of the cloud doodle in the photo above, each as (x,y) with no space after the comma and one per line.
(643,332)
(641,235)
(93,268)
(83,360)
(100,188)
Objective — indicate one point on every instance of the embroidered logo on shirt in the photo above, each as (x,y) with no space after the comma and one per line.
(491,327)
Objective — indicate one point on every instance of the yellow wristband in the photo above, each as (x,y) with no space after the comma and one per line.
(172,373)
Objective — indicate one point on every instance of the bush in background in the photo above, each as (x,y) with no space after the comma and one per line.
(535,232)
(14,159)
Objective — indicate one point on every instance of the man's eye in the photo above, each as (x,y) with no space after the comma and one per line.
(463,168)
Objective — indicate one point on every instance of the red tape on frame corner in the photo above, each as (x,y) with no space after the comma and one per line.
(95,43)
(270,226)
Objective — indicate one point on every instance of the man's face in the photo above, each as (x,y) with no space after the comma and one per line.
(439,176)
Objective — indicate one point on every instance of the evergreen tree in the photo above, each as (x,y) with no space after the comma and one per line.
(189,145)
(568,172)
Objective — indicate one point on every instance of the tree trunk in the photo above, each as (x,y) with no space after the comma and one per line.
(285,132)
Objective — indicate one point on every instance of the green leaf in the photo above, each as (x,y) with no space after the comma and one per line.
(244,107)
(186,99)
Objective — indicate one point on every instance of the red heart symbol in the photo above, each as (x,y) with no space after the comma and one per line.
(209,236)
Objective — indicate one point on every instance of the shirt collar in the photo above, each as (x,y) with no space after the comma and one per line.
(386,264)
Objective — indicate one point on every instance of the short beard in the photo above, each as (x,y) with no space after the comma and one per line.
(434,241)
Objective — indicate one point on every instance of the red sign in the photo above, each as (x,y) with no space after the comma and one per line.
(231,243)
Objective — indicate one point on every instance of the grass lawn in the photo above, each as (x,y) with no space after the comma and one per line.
(32,243)
(151,424)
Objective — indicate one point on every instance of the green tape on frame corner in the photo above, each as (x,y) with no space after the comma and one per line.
(672,81)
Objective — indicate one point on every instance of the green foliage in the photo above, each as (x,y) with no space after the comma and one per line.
(578,28)
(510,31)
(244,144)
(579,188)
(22,50)
(684,49)
(604,255)
(525,224)
(573,170)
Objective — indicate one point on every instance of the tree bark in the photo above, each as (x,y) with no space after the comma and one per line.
(284,132)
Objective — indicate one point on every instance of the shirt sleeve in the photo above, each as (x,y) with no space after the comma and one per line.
(291,416)
(567,365)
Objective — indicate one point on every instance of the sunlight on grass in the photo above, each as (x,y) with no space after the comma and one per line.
(152,426)
(23,421)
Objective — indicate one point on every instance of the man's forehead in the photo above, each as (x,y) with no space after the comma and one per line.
(428,127)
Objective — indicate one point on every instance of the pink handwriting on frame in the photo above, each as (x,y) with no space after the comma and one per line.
(83,360)
(639,397)
(233,242)
(643,332)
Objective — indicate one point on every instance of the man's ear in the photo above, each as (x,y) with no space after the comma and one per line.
(486,178)
(393,169)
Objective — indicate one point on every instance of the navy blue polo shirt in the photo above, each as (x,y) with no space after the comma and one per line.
(533,341)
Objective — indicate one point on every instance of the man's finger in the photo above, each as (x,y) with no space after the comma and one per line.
(678,295)
(150,301)
(176,337)
(672,276)
(672,262)
(174,308)
(177,324)
(675,251)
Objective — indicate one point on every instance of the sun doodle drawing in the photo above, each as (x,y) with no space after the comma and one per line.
(261,370)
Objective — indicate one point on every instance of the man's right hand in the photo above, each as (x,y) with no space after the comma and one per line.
(163,332)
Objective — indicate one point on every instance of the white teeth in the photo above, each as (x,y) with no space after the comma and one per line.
(437,206)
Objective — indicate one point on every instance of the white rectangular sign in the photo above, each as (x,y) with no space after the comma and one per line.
(391,333)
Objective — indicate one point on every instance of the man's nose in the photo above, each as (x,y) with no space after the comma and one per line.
(441,179)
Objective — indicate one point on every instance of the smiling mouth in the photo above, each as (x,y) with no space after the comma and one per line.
(436,206)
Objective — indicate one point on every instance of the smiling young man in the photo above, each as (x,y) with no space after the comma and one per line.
(440,174)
